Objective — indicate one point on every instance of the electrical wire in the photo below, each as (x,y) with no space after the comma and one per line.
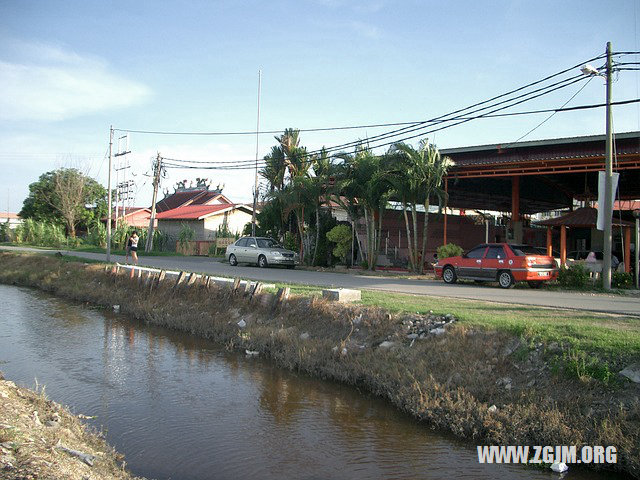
(551,116)
(523,98)
(250,163)
(447,118)
(158,132)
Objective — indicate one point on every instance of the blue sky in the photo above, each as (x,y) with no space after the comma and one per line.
(69,70)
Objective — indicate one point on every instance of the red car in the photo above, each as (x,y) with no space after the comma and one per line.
(499,262)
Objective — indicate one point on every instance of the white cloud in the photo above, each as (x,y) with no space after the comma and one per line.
(53,84)
(364,29)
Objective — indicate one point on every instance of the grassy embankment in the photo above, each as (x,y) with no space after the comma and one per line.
(90,249)
(34,433)
(536,365)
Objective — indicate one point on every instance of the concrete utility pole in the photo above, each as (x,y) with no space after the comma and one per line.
(255,186)
(636,266)
(109,194)
(157,173)
(607,204)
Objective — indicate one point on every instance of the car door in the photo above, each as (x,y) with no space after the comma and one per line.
(251,251)
(471,263)
(494,260)
(238,249)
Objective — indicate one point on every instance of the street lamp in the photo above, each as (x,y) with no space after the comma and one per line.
(607,204)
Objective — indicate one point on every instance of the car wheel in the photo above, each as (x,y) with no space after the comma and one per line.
(534,284)
(233,261)
(449,275)
(262,261)
(505,279)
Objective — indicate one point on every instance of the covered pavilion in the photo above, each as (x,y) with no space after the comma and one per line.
(526,178)
(586,218)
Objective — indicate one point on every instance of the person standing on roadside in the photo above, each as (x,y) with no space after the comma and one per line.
(133,247)
(127,250)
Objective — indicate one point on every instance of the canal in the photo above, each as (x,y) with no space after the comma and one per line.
(184,408)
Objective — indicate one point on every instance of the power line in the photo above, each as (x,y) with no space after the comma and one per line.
(425,126)
(193,133)
(438,120)
(250,163)
(551,116)
(544,91)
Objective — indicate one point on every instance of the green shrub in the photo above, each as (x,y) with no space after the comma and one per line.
(44,234)
(575,276)
(5,234)
(621,280)
(119,236)
(341,236)
(97,235)
(186,235)
(449,250)
(53,235)
(290,242)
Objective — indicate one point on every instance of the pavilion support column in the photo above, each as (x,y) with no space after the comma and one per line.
(516,224)
(563,245)
(627,249)
(549,242)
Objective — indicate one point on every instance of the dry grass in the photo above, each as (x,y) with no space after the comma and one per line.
(449,380)
(31,430)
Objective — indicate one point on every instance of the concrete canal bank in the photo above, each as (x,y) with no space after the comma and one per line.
(486,386)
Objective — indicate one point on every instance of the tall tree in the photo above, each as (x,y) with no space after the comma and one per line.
(274,169)
(419,179)
(63,196)
(365,185)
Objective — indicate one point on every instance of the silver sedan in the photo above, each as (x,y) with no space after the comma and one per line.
(261,251)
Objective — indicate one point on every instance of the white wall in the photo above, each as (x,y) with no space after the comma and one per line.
(236,220)
(206,229)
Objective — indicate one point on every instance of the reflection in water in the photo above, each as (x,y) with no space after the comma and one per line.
(180,407)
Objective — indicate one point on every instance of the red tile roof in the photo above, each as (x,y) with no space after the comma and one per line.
(194,212)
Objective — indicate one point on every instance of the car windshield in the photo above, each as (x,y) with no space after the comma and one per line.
(522,250)
(268,243)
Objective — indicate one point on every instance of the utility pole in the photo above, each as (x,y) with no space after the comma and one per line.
(607,204)
(120,193)
(157,172)
(109,194)
(255,186)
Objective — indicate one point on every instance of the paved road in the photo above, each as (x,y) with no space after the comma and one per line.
(627,305)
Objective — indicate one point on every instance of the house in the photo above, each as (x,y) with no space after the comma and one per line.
(200,194)
(133,216)
(13,219)
(205,220)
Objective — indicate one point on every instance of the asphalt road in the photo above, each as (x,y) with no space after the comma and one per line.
(618,304)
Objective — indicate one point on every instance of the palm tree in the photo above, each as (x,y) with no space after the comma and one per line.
(424,169)
(297,163)
(274,169)
(366,185)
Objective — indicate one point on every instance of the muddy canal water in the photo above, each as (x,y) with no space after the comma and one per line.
(184,408)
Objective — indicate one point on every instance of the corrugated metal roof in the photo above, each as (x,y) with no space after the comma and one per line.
(556,150)
(582,217)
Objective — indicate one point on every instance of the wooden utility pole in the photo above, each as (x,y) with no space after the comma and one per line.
(157,173)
